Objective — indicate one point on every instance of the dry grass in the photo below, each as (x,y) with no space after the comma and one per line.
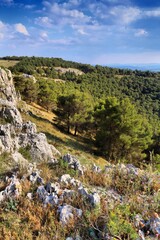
(8,63)
(62,141)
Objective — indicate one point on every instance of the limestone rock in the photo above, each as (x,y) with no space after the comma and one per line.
(7,141)
(16,134)
(12,115)
(7,89)
(96,168)
(68,180)
(94,199)
(14,189)
(68,213)
(18,158)
(73,163)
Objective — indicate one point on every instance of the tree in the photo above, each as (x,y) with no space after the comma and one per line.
(27,88)
(122,133)
(74,110)
(46,95)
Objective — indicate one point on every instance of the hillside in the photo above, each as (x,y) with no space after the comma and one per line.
(52,186)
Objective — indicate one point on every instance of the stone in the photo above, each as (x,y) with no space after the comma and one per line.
(30,196)
(18,158)
(42,193)
(94,199)
(8,142)
(35,178)
(96,168)
(83,191)
(2,196)
(12,115)
(29,128)
(67,180)
(14,189)
(7,88)
(73,163)
(51,199)
(155,224)
(15,134)
(68,213)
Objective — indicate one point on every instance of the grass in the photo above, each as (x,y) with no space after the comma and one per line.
(8,63)
(65,143)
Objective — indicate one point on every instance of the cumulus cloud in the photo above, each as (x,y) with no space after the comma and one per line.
(20,28)
(65,13)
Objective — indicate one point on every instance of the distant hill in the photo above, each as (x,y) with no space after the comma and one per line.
(142,67)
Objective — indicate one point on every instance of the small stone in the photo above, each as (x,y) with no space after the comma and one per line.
(94,199)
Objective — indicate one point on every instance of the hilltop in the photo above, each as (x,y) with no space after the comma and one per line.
(50,194)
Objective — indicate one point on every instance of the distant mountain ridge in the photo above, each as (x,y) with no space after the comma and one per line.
(143,67)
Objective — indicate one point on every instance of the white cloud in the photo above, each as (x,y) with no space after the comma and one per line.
(153,13)
(1,36)
(2,25)
(81,31)
(44,21)
(125,15)
(65,13)
(29,7)
(43,35)
(141,33)
(19,27)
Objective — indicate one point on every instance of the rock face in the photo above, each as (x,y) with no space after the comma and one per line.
(14,133)
(7,89)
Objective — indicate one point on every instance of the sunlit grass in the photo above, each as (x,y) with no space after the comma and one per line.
(65,143)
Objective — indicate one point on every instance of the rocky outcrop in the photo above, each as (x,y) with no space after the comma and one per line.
(14,133)
(7,89)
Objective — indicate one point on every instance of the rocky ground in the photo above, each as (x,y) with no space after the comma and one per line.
(55,197)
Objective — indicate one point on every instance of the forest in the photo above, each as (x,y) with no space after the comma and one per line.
(117,109)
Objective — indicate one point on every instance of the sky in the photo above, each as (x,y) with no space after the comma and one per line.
(88,31)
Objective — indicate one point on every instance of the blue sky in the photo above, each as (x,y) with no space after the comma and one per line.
(88,31)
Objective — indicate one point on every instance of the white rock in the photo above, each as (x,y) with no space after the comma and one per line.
(42,193)
(67,213)
(94,199)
